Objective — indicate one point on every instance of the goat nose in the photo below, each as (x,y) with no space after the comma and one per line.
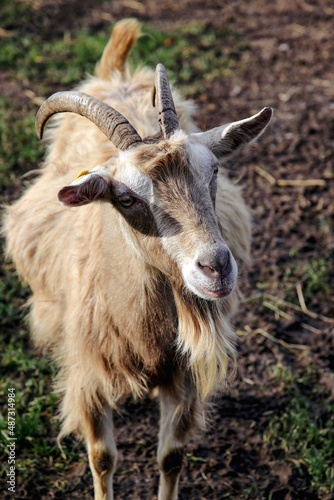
(219,266)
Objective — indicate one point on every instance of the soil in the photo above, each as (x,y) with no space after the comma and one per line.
(288,64)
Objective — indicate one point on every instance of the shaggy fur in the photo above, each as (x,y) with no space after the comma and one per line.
(108,300)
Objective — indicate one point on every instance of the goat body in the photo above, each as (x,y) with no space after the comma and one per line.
(133,286)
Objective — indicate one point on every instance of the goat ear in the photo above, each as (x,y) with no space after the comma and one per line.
(224,140)
(87,187)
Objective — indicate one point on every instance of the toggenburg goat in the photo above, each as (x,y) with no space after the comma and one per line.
(133,268)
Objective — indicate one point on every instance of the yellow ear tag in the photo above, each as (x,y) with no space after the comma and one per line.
(84,172)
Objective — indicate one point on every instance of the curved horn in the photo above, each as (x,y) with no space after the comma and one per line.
(163,99)
(114,125)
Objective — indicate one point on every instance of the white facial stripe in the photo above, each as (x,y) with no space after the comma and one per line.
(201,159)
(127,174)
(100,170)
(136,180)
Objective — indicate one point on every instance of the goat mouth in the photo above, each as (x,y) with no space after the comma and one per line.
(217,294)
(223,292)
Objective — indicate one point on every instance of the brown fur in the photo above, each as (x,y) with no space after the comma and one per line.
(117,51)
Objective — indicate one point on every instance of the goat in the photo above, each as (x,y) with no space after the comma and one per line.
(135,285)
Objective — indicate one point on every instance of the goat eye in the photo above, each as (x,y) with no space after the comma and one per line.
(215,172)
(126,201)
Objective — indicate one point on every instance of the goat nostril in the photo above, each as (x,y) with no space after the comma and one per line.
(208,269)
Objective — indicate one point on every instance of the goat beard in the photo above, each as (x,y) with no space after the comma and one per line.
(206,338)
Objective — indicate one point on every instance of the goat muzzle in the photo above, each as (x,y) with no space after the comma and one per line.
(213,273)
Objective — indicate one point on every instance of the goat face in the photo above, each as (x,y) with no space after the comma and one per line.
(184,188)
(165,194)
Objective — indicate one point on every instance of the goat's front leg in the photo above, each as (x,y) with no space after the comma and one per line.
(181,413)
(102,452)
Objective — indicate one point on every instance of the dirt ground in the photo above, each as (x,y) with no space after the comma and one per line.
(288,64)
